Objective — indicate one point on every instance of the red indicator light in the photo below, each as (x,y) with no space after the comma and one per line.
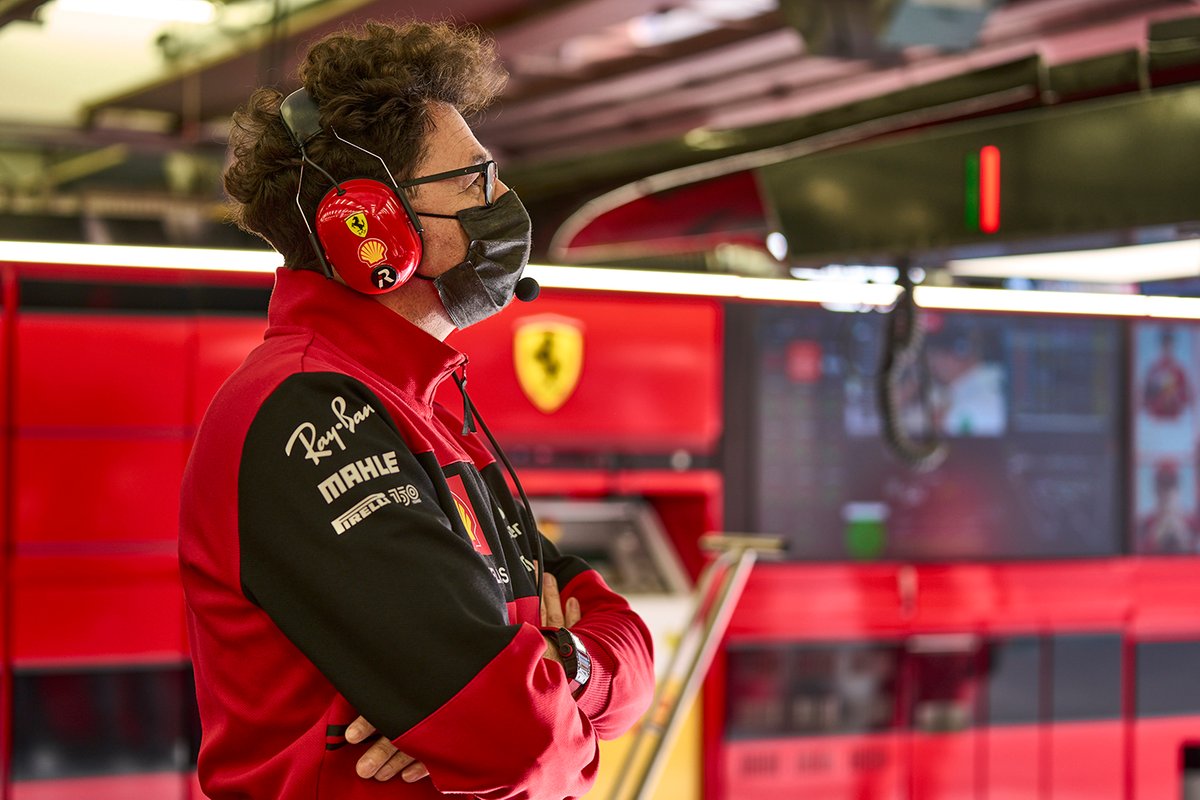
(989,189)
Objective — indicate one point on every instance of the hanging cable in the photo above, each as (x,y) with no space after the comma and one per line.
(900,367)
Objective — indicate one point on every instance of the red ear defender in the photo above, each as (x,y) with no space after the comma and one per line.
(368,236)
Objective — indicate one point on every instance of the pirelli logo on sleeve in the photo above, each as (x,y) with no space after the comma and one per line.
(406,495)
(361,510)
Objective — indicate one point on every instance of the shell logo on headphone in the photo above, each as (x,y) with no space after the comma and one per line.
(357,223)
(372,251)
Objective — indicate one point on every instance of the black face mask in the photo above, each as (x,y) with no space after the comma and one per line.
(483,284)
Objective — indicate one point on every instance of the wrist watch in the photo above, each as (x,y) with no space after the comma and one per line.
(575,660)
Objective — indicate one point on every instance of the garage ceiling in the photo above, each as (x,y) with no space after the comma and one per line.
(113,128)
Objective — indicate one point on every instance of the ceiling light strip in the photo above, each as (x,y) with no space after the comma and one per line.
(110,255)
(709,285)
(1124,264)
(864,294)
(612,279)
(1043,302)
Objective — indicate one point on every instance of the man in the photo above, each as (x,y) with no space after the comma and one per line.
(352,555)
(1169,526)
(1166,388)
(968,396)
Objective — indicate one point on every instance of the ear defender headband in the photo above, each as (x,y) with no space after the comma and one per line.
(363,228)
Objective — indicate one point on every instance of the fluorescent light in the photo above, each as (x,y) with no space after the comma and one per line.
(1173,307)
(1132,264)
(107,255)
(1044,302)
(863,294)
(1088,303)
(633,280)
(709,285)
(199,12)
(615,279)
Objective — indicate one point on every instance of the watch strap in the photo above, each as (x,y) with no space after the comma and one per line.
(577,663)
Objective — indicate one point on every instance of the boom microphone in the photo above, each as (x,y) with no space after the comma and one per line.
(527,290)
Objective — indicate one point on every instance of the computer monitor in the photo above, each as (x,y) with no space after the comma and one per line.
(1029,407)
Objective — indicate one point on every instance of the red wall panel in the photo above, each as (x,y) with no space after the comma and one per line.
(1158,754)
(828,767)
(152,786)
(1087,759)
(1013,761)
(221,345)
(95,490)
(943,765)
(102,370)
(119,608)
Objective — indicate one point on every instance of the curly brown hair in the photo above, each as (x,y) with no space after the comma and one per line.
(373,86)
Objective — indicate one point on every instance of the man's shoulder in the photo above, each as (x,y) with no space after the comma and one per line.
(266,368)
(263,369)
(281,357)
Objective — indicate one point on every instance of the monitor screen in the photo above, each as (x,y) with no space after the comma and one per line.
(1166,377)
(1028,407)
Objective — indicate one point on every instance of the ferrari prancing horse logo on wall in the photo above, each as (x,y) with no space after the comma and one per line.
(548,355)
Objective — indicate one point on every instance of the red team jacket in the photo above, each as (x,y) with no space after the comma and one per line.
(345,550)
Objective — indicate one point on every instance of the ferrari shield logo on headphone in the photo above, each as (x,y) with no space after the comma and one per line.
(357,223)
(548,355)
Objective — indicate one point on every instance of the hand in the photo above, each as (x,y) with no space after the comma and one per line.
(383,761)
(552,613)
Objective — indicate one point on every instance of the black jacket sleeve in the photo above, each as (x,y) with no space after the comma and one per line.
(345,546)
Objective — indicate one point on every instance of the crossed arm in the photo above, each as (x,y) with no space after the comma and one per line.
(383,761)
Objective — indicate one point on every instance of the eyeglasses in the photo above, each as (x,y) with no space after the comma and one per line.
(487,169)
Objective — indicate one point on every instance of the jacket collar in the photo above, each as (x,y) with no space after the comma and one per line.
(363,329)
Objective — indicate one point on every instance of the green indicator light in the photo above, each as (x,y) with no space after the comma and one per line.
(971,192)
(865,531)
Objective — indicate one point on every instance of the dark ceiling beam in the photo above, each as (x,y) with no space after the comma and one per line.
(996,88)
(548,30)
(766,48)
(683,109)
(215,86)
(586,115)
(550,73)
(786,90)
(1012,20)
(13,10)
(1062,43)
(616,140)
